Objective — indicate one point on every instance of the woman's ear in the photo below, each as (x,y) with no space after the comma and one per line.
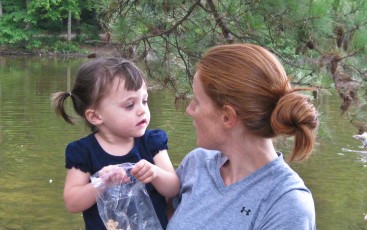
(229,116)
(92,116)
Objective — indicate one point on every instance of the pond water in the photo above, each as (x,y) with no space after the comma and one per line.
(33,140)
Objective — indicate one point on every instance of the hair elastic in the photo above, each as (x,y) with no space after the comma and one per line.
(69,93)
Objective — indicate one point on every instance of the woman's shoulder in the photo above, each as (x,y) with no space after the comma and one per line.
(201,152)
(288,202)
(294,208)
(201,155)
(283,177)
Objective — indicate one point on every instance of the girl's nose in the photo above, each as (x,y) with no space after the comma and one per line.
(141,109)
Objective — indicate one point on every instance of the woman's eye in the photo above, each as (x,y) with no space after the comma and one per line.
(145,102)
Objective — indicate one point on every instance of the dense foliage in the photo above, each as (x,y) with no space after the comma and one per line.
(39,25)
(321,42)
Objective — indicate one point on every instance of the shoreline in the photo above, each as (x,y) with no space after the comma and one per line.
(90,52)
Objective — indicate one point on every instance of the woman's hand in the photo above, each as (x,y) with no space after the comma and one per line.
(144,171)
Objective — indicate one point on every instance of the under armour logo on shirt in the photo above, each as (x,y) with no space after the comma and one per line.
(246,211)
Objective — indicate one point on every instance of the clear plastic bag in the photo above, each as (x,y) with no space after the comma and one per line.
(125,206)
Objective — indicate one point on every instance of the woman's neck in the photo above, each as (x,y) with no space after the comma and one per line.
(245,157)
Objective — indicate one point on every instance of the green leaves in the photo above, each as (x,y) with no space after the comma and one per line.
(173,34)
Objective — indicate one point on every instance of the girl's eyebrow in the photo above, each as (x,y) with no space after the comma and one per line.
(134,97)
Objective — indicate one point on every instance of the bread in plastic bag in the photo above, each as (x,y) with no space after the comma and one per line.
(125,206)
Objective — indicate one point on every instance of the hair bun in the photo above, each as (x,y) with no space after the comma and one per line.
(293,111)
(295,115)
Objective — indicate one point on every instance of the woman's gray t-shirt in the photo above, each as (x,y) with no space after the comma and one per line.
(273,197)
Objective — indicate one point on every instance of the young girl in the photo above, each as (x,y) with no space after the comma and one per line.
(111,96)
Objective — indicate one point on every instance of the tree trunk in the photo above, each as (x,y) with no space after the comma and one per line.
(69,26)
(28,24)
(1,9)
(77,28)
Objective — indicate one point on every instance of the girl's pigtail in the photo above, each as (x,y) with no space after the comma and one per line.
(58,100)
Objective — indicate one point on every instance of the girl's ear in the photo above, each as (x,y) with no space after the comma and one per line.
(229,116)
(92,116)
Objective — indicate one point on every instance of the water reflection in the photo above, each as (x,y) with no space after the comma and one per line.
(33,139)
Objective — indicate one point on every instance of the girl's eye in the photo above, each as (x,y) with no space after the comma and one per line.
(129,106)
(145,101)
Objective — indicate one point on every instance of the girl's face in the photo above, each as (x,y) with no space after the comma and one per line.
(124,113)
(206,116)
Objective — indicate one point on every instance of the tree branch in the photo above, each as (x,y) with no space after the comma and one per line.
(218,20)
(173,28)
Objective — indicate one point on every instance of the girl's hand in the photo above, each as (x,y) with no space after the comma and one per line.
(144,171)
(113,174)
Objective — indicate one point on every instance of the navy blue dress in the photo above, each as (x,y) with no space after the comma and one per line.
(87,155)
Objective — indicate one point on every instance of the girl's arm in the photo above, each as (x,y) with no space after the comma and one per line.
(79,193)
(162,175)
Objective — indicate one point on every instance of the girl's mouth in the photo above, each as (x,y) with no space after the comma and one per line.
(143,122)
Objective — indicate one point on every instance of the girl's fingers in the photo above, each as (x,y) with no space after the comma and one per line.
(146,179)
(145,172)
(138,169)
(114,174)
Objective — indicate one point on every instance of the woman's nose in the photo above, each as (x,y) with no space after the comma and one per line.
(189,109)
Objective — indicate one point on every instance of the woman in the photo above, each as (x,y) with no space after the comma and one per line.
(237,180)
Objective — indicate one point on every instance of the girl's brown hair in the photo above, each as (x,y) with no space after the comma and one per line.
(253,81)
(93,82)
